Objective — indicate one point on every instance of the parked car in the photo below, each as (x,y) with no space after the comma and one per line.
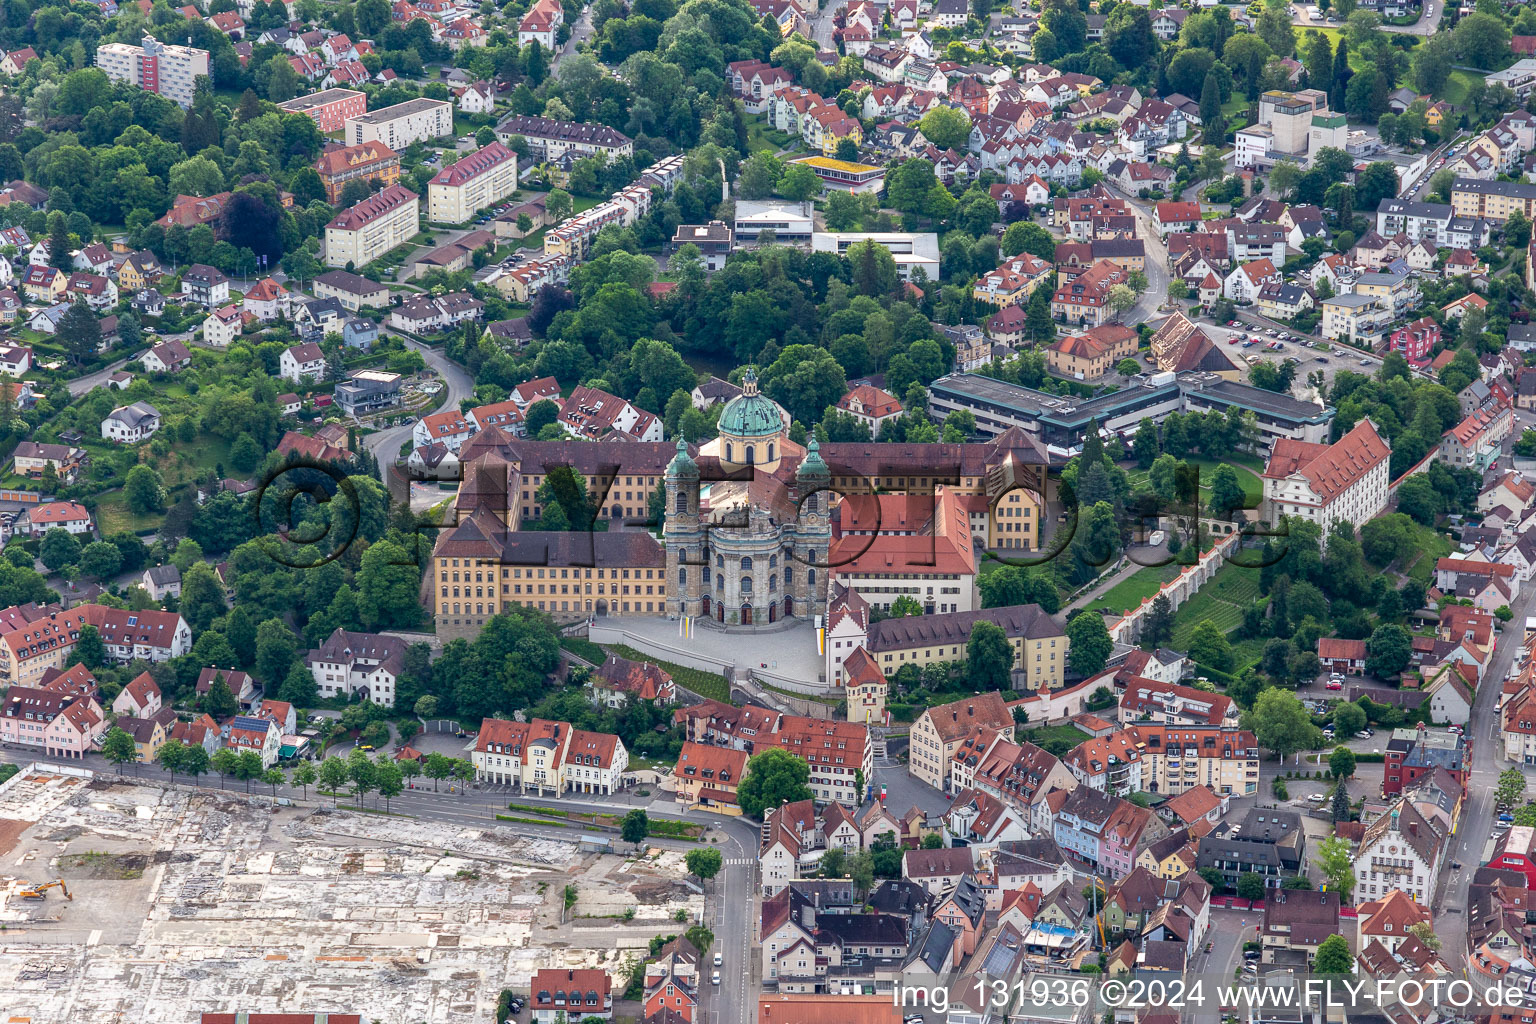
(1332,685)
(716,979)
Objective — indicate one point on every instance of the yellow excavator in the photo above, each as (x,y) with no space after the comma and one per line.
(38,892)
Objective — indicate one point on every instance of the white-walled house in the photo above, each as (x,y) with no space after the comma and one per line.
(302,361)
(131,423)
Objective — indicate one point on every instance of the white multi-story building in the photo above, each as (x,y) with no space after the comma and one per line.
(362,233)
(170,71)
(300,361)
(1324,483)
(1400,850)
(366,663)
(402,124)
(484,177)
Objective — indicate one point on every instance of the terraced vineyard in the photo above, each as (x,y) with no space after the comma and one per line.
(1222,601)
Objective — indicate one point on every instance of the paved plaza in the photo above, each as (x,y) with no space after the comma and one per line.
(783,655)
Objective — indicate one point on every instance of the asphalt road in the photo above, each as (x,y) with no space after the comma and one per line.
(1425,26)
(1477,817)
(91,381)
(822,26)
(386,443)
(730,897)
(1156,262)
(1228,930)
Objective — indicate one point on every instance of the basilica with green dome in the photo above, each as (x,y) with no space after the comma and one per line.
(747,545)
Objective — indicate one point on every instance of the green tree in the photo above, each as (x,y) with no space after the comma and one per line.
(1334,957)
(703,864)
(1214,125)
(144,490)
(304,774)
(100,559)
(1157,623)
(1388,650)
(945,127)
(773,777)
(226,762)
(1348,718)
(276,647)
(299,688)
(220,701)
(1227,497)
(1341,763)
(1250,885)
(1511,787)
(118,747)
(1026,236)
(1337,865)
(79,332)
(437,767)
(248,767)
(1340,808)
(389,779)
(635,827)
(540,415)
(989,652)
(333,776)
(799,183)
(171,756)
(1209,646)
(274,777)
(1088,643)
(1280,722)
(89,650)
(59,548)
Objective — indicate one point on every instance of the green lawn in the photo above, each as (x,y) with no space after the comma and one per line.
(1456,88)
(1059,736)
(1244,465)
(1131,591)
(1222,600)
(1431,547)
(112,515)
(763,136)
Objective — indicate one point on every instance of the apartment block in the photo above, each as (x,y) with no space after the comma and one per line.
(461,189)
(1492,200)
(402,124)
(362,233)
(169,71)
(330,107)
(549,140)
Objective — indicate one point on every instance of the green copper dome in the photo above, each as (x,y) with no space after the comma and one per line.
(813,466)
(681,465)
(751,414)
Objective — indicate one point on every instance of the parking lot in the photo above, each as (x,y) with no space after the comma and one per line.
(1254,341)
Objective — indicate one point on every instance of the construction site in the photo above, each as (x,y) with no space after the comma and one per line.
(123,903)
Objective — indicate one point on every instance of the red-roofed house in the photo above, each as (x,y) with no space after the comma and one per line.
(870,405)
(618,681)
(571,995)
(709,777)
(1170,217)
(1326,483)
(1346,657)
